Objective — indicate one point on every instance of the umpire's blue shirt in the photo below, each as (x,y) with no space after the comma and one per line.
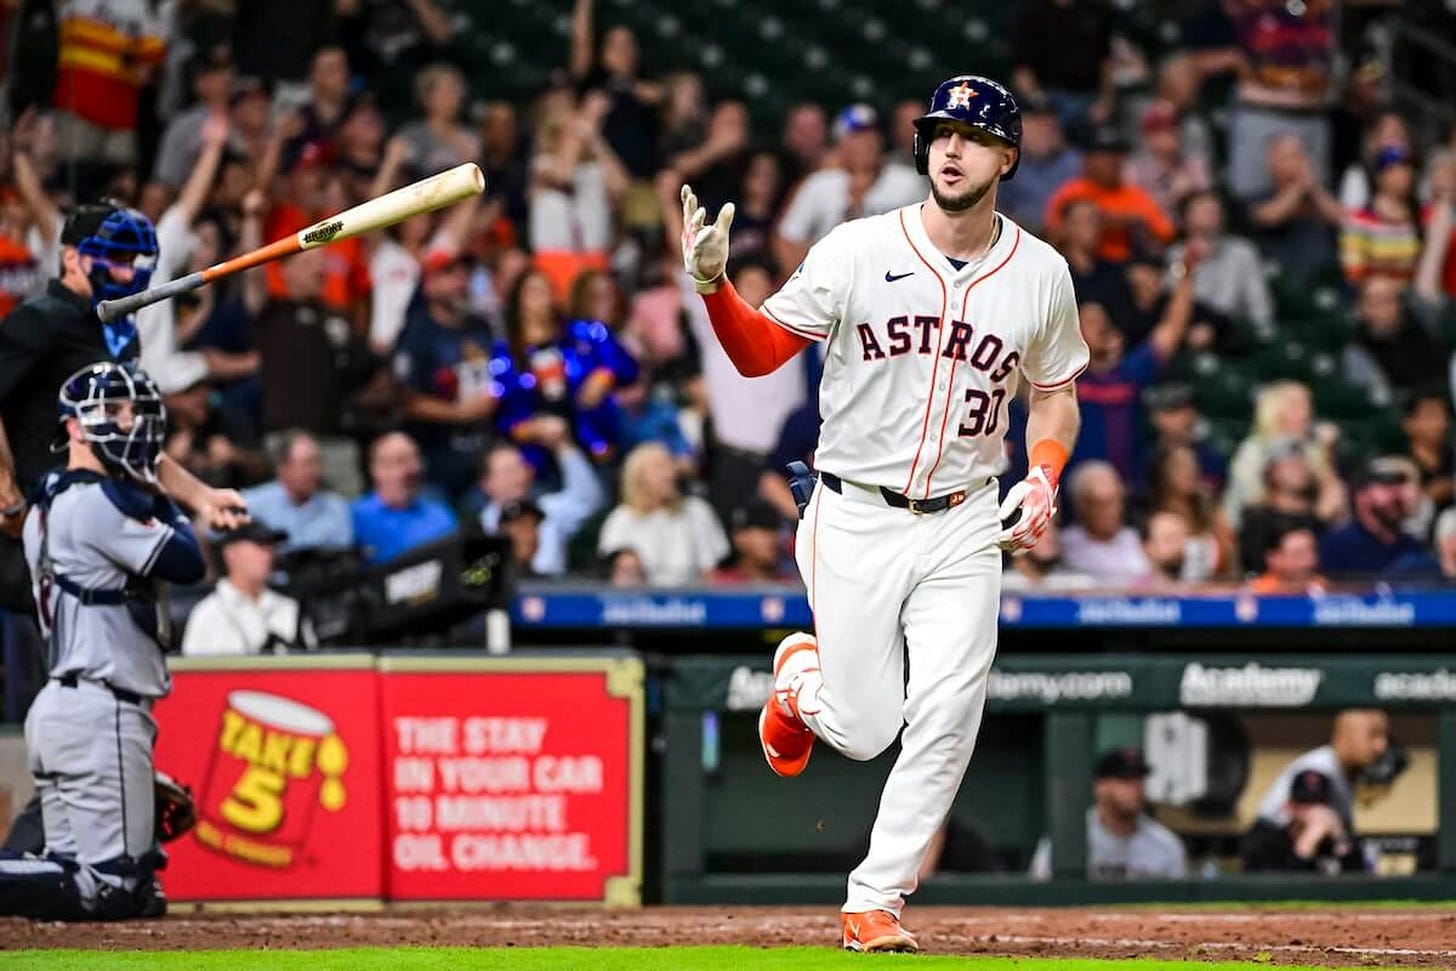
(385,532)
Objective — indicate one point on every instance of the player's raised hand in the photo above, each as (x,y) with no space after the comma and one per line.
(704,247)
(1027,510)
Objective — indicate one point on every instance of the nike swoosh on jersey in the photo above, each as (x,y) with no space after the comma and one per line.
(891,278)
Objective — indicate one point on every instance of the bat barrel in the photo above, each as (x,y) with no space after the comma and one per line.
(126,306)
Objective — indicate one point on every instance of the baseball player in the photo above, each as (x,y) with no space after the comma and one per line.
(932,315)
(99,539)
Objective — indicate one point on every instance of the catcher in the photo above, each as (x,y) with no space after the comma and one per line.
(100,541)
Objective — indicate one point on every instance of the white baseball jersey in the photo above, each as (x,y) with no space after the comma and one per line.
(922,358)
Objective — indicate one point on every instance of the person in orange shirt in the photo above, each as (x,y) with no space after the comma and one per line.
(1291,563)
(1129,214)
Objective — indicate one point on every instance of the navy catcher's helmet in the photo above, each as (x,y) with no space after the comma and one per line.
(95,396)
(975,101)
(113,235)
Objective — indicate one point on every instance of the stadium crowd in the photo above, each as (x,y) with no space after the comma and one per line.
(1242,214)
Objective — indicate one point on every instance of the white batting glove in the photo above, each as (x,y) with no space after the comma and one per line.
(1034,498)
(704,248)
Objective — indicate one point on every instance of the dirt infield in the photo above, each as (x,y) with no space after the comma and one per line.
(1340,937)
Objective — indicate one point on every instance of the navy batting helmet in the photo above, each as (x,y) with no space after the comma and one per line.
(971,100)
(128,441)
(113,236)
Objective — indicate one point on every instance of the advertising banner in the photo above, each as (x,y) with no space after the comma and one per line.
(282,755)
(512,780)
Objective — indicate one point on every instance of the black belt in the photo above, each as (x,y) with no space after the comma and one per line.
(71,679)
(939,504)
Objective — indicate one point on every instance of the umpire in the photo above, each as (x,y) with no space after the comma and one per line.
(107,251)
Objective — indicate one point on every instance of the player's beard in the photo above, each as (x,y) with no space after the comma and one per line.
(962,201)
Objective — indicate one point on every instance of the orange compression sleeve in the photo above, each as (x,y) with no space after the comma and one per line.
(755,344)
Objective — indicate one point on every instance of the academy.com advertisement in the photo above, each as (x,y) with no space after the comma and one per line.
(356,778)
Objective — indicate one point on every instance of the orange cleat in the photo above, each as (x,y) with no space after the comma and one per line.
(787,742)
(876,930)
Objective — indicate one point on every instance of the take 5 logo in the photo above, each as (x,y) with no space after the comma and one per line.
(906,335)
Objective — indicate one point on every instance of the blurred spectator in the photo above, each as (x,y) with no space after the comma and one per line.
(1230,278)
(359,146)
(1312,837)
(1283,86)
(211,74)
(1102,544)
(1358,738)
(1427,427)
(798,438)
(297,502)
(1436,565)
(1383,239)
(1294,222)
(575,178)
(654,333)
(677,537)
(1373,540)
(1176,486)
(394,271)
(1176,422)
(442,363)
(210,440)
(312,361)
(109,52)
(624,568)
(1166,541)
(1110,391)
(684,122)
(394,517)
(506,478)
(520,522)
(1094,279)
(757,208)
(649,413)
(1062,50)
(631,120)
(1436,270)
(1123,841)
(503,160)
(1160,164)
(554,369)
(241,615)
(1292,493)
(1046,163)
(1130,216)
(1040,568)
(860,185)
(717,163)
(313,130)
(1386,130)
(758,556)
(1394,349)
(1283,412)
(901,134)
(1290,561)
(805,141)
(390,40)
(439,141)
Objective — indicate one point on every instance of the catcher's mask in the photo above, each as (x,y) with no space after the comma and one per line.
(121,414)
(116,238)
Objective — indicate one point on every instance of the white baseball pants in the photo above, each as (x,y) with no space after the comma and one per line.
(887,585)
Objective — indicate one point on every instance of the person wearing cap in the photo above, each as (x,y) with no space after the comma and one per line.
(860,185)
(242,615)
(520,522)
(1160,164)
(1173,415)
(442,364)
(1230,276)
(1383,238)
(1047,161)
(1308,811)
(1291,561)
(1373,539)
(1396,348)
(506,479)
(1130,215)
(758,555)
(1123,841)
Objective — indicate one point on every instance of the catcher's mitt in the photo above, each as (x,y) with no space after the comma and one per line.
(176,813)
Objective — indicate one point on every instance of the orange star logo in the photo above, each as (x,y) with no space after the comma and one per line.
(960,97)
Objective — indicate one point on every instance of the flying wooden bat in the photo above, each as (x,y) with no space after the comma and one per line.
(426,195)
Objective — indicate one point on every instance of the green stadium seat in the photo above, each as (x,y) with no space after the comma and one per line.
(1336,400)
(1222,390)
